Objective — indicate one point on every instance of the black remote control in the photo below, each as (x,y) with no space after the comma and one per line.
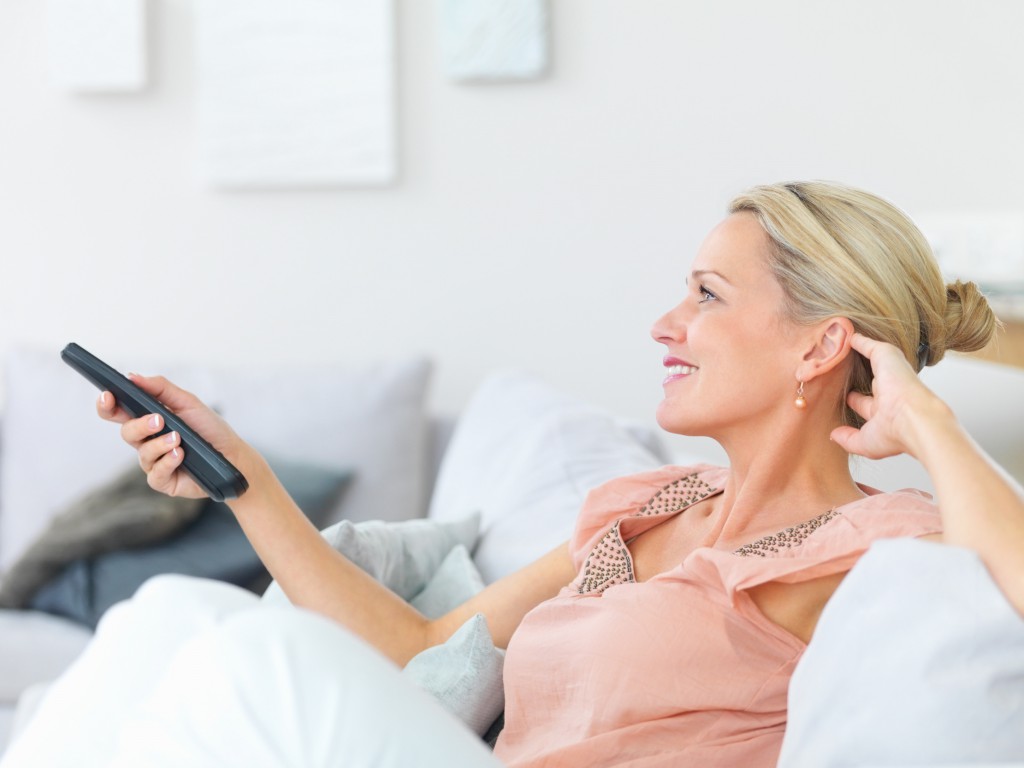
(207,466)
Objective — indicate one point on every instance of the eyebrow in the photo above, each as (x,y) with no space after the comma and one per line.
(700,272)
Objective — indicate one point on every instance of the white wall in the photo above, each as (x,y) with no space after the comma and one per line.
(541,225)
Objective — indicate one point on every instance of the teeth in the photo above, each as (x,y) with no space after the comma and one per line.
(681,370)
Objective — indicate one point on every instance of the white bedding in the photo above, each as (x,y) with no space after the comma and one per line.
(199,673)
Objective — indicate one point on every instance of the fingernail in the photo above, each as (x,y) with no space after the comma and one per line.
(103,399)
(170,438)
(154,421)
(175,453)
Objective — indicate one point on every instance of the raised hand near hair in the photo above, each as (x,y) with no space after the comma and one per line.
(982,507)
(893,410)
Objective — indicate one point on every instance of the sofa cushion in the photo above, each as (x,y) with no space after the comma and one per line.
(366,418)
(918,659)
(526,455)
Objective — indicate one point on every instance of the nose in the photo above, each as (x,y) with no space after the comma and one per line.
(670,327)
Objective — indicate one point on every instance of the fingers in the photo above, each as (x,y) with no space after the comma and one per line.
(153,450)
(137,431)
(881,354)
(161,474)
(109,410)
(845,438)
(171,395)
(860,403)
(865,344)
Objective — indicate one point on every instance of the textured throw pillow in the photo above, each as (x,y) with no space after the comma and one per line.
(212,546)
(122,514)
(464,674)
(401,556)
(918,659)
(526,455)
(454,583)
(368,419)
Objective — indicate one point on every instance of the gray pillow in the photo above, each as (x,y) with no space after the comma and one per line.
(452,584)
(402,556)
(918,659)
(464,674)
(211,546)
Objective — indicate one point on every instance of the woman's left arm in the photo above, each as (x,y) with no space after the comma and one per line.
(982,507)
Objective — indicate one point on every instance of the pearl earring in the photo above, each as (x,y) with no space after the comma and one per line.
(801,401)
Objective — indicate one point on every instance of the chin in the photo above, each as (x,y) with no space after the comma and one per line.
(672,420)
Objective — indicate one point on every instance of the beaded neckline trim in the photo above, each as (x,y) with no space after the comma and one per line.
(610,564)
(785,539)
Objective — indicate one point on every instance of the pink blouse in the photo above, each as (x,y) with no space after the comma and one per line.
(681,669)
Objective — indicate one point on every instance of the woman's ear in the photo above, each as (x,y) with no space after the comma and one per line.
(830,345)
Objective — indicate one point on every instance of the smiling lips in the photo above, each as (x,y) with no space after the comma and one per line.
(677,368)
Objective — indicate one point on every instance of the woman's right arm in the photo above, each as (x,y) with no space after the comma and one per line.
(310,572)
(982,507)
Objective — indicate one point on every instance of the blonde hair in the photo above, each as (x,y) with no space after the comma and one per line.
(839,251)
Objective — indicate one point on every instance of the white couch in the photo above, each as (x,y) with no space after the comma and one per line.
(521,454)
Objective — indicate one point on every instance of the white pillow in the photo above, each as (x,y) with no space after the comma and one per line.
(198,673)
(322,698)
(368,419)
(918,659)
(526,455)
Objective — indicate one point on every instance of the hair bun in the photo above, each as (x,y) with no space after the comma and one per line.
(970,321)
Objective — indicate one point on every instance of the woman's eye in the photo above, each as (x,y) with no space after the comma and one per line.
(706,295)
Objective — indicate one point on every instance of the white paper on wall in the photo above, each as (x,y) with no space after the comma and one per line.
(296,92)
(97,45)
(494,39)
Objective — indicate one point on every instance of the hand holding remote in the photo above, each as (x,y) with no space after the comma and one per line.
(171,429)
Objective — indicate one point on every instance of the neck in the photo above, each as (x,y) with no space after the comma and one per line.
(774,483)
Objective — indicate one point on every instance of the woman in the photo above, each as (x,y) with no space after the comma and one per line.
(666,631)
